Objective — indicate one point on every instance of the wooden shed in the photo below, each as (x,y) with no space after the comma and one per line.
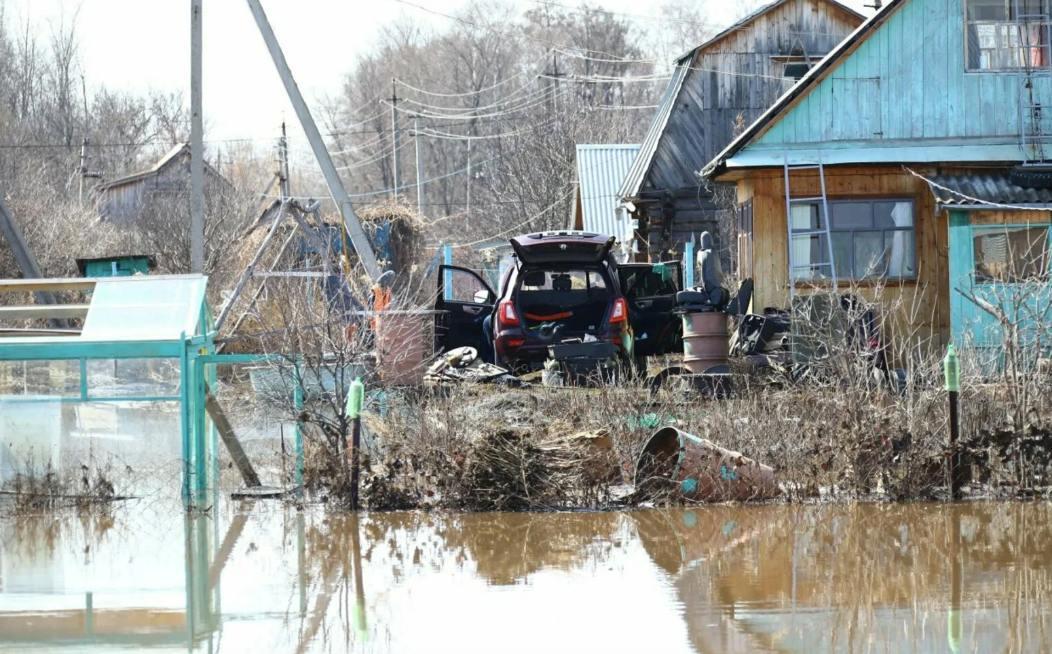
(124,199)
(904,164)
(715,90)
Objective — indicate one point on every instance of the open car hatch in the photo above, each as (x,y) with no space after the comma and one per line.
(562,247)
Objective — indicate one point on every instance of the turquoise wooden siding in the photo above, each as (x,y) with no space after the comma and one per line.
(1028,305)
(904,95)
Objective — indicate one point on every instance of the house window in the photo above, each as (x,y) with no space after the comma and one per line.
(1010,254)
(795,70)
(1008,34)
(872,239)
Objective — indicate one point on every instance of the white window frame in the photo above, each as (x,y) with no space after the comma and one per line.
(1010,49)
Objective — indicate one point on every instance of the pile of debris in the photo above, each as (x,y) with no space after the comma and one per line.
(463,364)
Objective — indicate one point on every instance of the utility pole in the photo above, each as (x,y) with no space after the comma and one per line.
(328,169)
(82,171)
(284,189)
(197,147)
(394,137)
(419,177)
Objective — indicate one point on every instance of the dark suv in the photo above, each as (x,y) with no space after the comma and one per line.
(561,287)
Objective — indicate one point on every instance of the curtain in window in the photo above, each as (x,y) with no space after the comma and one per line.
(899,259)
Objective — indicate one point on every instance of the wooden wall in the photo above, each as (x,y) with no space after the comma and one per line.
(731,81)
(917,307)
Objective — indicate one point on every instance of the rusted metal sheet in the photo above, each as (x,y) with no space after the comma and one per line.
(696,469)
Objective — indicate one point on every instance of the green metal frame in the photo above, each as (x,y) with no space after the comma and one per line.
(197,360)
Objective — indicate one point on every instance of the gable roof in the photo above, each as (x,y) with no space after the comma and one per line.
(637,173)
(759,12)
(897,90)
(178,151)
(632,185)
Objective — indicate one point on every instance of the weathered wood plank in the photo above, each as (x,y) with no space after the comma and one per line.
(233,445)
(44,284)
(34,311)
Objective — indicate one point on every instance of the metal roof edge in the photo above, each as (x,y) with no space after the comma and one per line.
(633,181)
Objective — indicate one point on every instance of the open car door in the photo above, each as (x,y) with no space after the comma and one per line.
(465,300)
(650,290)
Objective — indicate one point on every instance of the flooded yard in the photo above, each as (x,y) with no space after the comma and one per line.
(265,577)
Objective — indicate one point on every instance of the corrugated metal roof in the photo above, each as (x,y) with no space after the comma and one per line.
(600,169)
(979,190)
(633,180)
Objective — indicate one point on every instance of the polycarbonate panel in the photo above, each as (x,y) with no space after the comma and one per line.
(59,378)
(132,378)
(145,309)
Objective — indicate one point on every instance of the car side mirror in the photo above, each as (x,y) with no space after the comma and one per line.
(482,296)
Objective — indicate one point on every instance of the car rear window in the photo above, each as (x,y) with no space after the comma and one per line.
(564,280)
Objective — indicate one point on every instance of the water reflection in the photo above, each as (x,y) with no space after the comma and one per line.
(927,578)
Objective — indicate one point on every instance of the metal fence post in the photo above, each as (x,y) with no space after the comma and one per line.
(447,279)
(688,264)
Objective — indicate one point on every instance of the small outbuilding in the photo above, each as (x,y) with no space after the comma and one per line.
(124,200)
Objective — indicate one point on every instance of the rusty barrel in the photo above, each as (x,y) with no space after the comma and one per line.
(706,342)
(697,469)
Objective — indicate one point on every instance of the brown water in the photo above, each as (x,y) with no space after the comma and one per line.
(909,578)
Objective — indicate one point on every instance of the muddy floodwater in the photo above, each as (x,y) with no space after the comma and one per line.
(266,578)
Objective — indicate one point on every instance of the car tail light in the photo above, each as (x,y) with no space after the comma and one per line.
(620,311)
(506,314)
(513,343)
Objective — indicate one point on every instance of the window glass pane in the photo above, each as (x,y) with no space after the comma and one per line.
(869,255)
(843,253)
(988,9)
(108,378)
(889,215)
(1014,254)
(899,246)
(468,288)
(795,70)
(805,217)
(852,215)
(57,378)
(810,257)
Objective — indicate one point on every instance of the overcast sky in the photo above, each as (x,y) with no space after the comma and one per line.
(142,44)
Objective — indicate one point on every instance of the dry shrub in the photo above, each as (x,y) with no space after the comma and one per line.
(44,488)
(485,448)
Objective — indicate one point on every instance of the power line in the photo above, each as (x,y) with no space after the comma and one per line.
(519,225)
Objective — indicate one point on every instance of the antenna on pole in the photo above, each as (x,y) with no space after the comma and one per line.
(284,187)
(394,137)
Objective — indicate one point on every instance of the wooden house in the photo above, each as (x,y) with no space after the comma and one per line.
(919,138)
(123,200)
(716,89)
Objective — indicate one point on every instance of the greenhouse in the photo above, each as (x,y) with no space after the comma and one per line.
(139,340)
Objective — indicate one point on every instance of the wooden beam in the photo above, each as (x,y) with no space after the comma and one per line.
(310,274)
(19,331)
(233,445)
(57,284)
(43,311)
